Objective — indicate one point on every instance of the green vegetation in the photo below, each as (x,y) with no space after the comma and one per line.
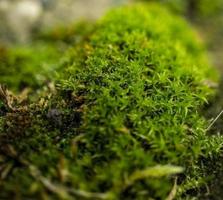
(27,66)
(33,65)
(124,122)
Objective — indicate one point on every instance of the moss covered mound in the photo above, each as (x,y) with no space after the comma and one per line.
(125,121)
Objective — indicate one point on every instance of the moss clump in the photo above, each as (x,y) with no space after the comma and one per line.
(124,123)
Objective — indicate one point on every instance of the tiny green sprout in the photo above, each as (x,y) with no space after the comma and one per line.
(155,172)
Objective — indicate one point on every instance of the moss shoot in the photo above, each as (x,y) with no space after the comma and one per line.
(124,122)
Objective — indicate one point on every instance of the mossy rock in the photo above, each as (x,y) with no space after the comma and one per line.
(125,122)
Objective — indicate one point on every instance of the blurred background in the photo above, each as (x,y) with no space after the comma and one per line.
(29,53)
(19,18)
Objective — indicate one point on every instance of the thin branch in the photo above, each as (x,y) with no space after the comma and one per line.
(173,192)
(65,192)
(212,123)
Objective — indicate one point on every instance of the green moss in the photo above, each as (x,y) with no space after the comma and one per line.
(125,122)
(27,66)
(35,64)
